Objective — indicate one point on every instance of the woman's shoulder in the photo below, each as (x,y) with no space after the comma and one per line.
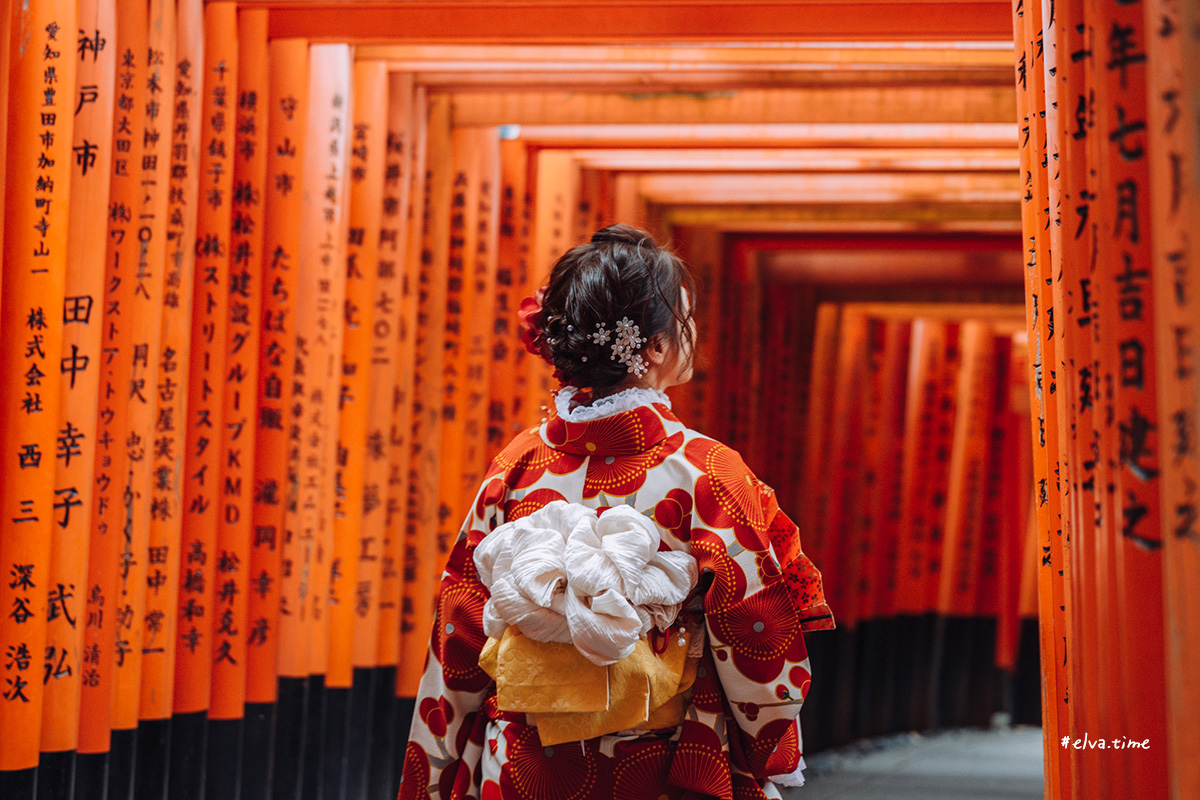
(726,485)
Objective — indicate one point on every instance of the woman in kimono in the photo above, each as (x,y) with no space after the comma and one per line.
(622,615)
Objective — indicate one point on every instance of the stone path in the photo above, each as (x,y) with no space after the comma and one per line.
(1004,764)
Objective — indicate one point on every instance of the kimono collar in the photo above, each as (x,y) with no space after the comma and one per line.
(625,423)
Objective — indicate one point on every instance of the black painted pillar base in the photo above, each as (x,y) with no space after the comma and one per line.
(19,784)
(361,732)
(258,751)
(386,758)
(885,719)
(291,714)
(91,776)
(817,712)
(189,749)
(335,741)
(983,699)
(154,759)
(310,786)
(55,776)
(905,680)
(1027,682)
(224,759)
(846,681)
(937,674)
(122,764)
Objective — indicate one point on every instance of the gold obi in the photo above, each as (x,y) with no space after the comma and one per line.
(569,698)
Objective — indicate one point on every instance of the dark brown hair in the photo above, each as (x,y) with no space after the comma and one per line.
(621,272)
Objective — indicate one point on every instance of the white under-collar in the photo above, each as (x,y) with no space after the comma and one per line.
(624,400)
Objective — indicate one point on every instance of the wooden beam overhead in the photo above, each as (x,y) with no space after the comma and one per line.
(599,77)
(894,188)
(1002,217)
(624,21)
(686,57)
(835,134)
(873,105)
(738,225)
(853,266)
(817,159)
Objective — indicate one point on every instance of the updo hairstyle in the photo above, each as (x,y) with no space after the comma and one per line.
(621,272)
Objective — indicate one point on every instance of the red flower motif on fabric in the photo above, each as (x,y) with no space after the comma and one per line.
(472,731)
(674,513)
(768,570)
(640,771)
(415,785)
(459,637)
(706,689)
(728,496)
(491,495)
(776,748)
(515,509)
(729,581)
(700,763)
(745,788)
(436,714)
(799,676)
(455,783)
(524,465)
(622,475)
(665,412)
(534,772)
(626,433)
(760,632)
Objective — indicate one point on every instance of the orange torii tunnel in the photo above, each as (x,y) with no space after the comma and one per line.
(259,341)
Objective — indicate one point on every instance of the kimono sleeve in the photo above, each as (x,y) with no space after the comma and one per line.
(446,739)
(763,595)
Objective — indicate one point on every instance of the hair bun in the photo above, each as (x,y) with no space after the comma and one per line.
(624,234)
(622,273)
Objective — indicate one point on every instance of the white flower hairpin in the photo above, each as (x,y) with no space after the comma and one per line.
(602,334)
(625,348)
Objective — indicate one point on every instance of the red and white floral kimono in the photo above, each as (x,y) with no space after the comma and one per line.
(734,731)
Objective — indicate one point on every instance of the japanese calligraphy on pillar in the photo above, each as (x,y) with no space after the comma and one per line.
(31,340)
(1133,443)
(75,448)
(421,558)
(174,355)
(354,609)
(965,502)
(111,568)
(502,371)
(464,215)
(817,538)
(1078,378)
(1031,100)
(198,591)
(276,559)
(516,217)
(1173,49)
(391,371)
(141,579)
(322,294)
(478,326)
(234,630)
(396,607)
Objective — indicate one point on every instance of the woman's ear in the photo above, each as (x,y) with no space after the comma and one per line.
(658,351)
